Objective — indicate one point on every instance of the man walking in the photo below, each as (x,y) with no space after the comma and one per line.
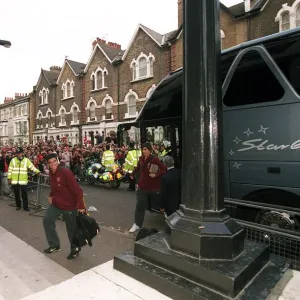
(66,198)
(150,169)
(18,177)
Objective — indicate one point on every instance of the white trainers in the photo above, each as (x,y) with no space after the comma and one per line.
(134,228)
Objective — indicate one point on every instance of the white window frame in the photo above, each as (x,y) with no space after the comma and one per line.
(39,118)
(64,88)
(292,10)
(73,122)
(135,66)
(62,108)
(128,115)
(44,96)
(95,78)
(88,109)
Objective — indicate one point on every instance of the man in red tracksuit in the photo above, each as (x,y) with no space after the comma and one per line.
(150,169)
(66,198)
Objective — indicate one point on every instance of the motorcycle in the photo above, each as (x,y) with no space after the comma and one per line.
(96,173)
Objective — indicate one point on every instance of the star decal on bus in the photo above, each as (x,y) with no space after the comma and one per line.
(248,132)
(231,152)
(237,140)
(236,165)
(263,129)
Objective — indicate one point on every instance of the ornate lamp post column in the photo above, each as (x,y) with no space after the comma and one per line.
(205,255)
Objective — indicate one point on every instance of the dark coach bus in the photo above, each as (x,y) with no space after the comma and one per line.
(261,119)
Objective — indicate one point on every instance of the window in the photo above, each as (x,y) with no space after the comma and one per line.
(151,66)
(142,67)
(11,113)
(252,82)
(24,130)
(49,118)
(98,78)
(92,111)
(134,71)
(68,89)
(132,105)
(39,122)
(298,16)
(63,117)
(75,115)
(285,25)
(93,82)
(108,109)
(43,96)
(287,57)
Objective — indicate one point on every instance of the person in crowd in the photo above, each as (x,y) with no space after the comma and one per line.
(150,170)
(18,177)
(66,158)
(170,191)
(66,199)
(4,164)
(131,162)
(108,158)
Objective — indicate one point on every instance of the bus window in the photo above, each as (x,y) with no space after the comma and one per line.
(287,57)
(158,134)
(131,134)
(252,82)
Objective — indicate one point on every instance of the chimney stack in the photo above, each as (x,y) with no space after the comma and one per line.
(109,44)
(247,5)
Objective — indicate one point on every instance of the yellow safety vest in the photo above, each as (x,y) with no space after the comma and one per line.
(131,160)
(108,159)
(17,170)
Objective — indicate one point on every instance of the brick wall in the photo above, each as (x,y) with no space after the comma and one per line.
(68,74)
(44,107)
(264,23)
(142,43)
(110,80)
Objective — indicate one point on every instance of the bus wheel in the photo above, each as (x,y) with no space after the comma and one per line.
(276,219)
(271,218)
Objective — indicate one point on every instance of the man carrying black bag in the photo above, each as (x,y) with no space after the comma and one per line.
(66,199)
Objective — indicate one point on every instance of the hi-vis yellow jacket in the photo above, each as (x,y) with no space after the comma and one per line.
(108,159)
(131,160)
(17,170)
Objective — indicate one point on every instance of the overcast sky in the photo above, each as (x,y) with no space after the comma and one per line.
(44,32)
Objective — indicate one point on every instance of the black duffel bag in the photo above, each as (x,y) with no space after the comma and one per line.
(87,229)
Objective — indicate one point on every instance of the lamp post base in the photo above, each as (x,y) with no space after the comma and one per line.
(251,275)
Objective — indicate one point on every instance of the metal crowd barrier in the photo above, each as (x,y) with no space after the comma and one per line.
(42,194)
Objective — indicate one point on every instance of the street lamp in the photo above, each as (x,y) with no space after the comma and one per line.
(5,43)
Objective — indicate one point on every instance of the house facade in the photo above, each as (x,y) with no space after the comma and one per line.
(69,97)
(43,105)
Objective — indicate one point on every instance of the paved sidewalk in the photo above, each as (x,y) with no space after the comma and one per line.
(24,270)
(103,282)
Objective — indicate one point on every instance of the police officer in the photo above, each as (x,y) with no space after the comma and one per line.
(108,158)
(131,162)
(18,177)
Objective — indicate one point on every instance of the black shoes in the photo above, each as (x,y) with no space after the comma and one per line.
(51,250)
(74,253)
(130,190)
(27,209)
(18,208)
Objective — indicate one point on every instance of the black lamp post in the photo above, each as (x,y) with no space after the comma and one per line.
(4,43)
(204,256)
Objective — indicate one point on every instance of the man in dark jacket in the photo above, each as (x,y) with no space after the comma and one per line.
(150,170)
(4,164)
(170,191)
(66,198)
